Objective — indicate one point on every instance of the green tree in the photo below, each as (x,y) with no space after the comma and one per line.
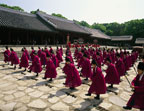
(84,23)
(58,15)
(99,26)
(12,7)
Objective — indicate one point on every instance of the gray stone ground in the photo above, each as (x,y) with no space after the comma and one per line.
(23,92)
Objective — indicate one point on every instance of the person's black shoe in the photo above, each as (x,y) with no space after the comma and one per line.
(127,107)
(72,88)
(64,83)
(86,79)
(24,70)
(111,86)
(97,97)
(50,79)
(37,75)
(14,67)
(29,71)
(44,78)
(88,94)
(19,67)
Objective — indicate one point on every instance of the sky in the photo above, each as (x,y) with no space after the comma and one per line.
(91,11)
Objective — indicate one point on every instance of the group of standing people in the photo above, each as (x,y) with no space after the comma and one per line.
(90,61)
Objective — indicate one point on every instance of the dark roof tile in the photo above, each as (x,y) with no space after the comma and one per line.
(22,20)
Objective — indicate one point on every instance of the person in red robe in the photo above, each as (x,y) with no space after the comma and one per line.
(113,55)
(24,60)
(59,56)
(98,60)
(32,53)
(72,75)
(36,65)
(71,59)
(47,51)
(120,66)
(7,55)
(98,85)
(27,53)
(43,58)
(126,62)
(39,52)
(137,98)
(54,59)
(50,69)
(76,53)
(51,50)
(14,58)
(112,76)
(86,67)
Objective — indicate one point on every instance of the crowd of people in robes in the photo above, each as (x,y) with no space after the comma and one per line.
(90,60)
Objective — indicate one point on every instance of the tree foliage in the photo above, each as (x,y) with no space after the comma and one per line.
(12,7)
(58,15)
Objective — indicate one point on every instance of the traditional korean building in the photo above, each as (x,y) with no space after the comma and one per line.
(66,28)
(121,40)
(21,28)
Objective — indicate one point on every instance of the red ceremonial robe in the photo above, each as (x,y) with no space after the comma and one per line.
(50,69)
(126,63)
(98,85)
(51,50)
(73,78)
(55,60)
(99,61)
(14,58)
(112,76)
(120,67)
(61,50)
(27,54)
(59,56)
(43,58)
(31,55)
(24,61)
(137,99)
(86,68)
(36,65)
(7,56)
(47,52)
(39,52)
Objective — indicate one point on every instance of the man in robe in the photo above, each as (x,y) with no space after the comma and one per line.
(72,75)
(86,68)
(50,69)
(36,65)
(24,60)
(7,55)
(98,85)
(112,76)
(137,98)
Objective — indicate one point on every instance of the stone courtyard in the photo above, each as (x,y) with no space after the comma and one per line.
(22,91)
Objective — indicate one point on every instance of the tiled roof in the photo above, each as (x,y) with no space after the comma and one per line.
(63,24)
(97,33)
(139,41)
(22,20)
(122,38)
